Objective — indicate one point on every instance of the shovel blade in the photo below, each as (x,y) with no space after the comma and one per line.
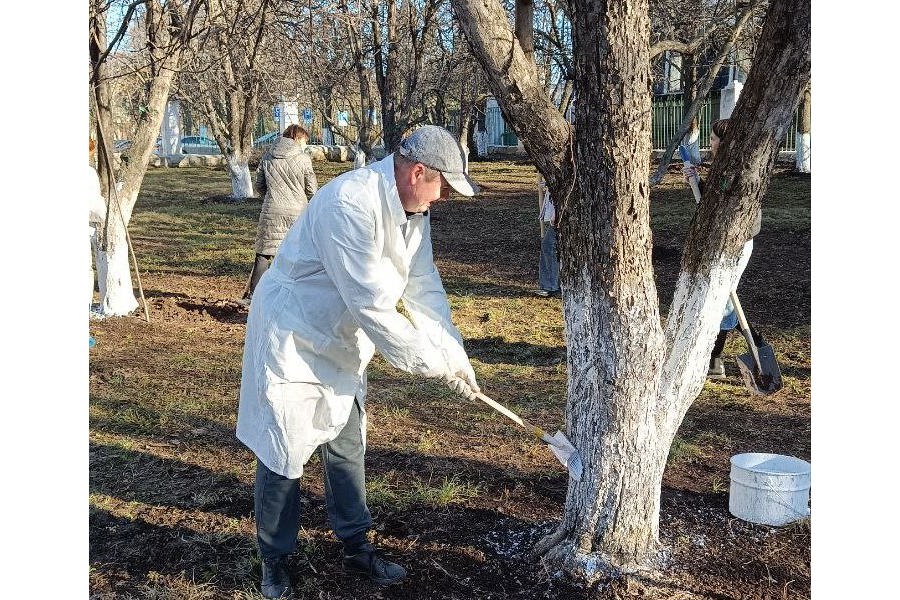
(764,382)
(566,453)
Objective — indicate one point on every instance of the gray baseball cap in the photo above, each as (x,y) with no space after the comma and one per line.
(436,148)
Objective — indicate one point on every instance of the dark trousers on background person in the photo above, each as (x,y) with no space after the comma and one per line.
(260,265)
(719,345)
(548,267)
(277,498)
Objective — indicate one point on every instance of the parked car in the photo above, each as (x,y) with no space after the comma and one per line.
(266,140)
(197,144)
(123,148)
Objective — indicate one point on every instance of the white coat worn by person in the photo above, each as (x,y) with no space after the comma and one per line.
(320,312)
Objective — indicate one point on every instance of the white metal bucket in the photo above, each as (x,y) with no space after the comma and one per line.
(769,489)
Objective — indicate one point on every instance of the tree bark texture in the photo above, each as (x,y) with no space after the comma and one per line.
(241,179)
(615,340)
(525,27)
(630,380)
(114,266)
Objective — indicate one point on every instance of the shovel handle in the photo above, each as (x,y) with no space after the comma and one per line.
(748,335)
(533,429)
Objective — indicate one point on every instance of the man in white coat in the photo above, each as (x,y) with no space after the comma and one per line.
(318,315)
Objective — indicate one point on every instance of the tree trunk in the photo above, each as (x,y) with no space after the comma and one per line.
(170,24)
(630,381)
(609,293)
(515,84)
(525,27)
(804,134)
(114,265)
(241,179)
(688,79)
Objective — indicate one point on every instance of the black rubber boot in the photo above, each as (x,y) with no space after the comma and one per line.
(368,563)
(275,580)
(716,369)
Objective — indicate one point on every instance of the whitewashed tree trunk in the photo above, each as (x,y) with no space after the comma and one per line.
(630,380)
(359,160)
(241,179)
(114,261)
(803,156)
(114,278)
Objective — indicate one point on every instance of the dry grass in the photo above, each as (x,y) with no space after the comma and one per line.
(171,488)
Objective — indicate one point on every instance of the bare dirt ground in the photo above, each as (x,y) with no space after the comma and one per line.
(458,495)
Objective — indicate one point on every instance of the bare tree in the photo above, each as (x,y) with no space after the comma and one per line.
(166,30)
(225,75)
(699,94)
(631,376)
(400,32)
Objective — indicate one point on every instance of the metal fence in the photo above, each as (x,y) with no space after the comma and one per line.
(498,131)
(668,110)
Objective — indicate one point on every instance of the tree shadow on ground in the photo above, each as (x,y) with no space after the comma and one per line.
(455,559)
(494,350)
(449,552)
(467,286)
(135,476)
(154,293)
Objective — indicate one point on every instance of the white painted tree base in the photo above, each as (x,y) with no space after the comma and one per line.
(114,281)
(804,153)
(241,180)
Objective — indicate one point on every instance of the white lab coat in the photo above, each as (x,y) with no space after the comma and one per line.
(327,303)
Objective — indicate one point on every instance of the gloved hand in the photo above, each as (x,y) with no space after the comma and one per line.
(458,364)
(467,374)
(459,386)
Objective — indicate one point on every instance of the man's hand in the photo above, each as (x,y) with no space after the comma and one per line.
(467,374)
(459,386)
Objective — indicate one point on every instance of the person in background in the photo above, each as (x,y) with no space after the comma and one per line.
(96,211)
(327,303)
(729,320)
(548,265)
(286,179)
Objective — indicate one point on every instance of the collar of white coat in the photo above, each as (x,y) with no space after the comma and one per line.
(385,168)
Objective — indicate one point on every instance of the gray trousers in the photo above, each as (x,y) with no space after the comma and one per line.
(277,498)
(548,267)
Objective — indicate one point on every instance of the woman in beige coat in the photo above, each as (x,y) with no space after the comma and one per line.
(286,178)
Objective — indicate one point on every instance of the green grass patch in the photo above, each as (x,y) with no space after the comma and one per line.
(392,491)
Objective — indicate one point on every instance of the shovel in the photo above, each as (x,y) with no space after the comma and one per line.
(760,370)
(758,367)
(559,444)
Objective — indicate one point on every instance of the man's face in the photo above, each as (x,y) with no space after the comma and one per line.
(419,186)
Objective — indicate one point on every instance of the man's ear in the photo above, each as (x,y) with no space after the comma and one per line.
(416,172)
